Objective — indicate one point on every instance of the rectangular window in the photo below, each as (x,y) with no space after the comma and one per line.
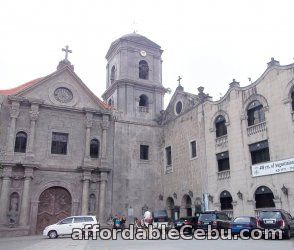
(144,152)
(259,152)
(223,161)
(168,155)
(193,149)
(59,143)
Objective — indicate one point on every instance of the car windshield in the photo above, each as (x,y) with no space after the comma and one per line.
(207,217)
(160,213)
(270,215)
(242,220)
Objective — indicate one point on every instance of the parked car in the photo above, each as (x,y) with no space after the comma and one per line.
(217,220)
(65,226)
(243,222)
(178,224)
(276,219)
(160,218)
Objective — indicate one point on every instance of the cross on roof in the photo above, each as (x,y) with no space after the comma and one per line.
(66,50)
(179,80)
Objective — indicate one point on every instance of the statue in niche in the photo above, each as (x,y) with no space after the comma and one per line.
(13,209)
(92,203)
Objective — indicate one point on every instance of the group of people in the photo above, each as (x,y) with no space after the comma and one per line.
(119,222)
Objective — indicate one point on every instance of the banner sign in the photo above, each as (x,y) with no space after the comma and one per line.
(274,167)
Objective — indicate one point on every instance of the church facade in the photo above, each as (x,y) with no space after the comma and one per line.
(65,152)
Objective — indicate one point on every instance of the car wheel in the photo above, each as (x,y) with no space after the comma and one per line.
(52,234)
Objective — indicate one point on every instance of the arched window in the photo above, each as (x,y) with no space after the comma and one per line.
(255,113)
(110,102)
(143,70)
(220,126)
(186,204)
(143,101)
(264,197)
(112,74)
(170,207)
(20,142)
(292,100)
(226,200)
(94,148)
(13,208)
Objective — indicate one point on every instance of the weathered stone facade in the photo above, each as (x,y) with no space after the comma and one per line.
(39,185)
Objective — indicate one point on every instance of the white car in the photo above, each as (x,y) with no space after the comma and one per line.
(66,225)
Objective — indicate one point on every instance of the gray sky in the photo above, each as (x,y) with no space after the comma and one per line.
(207,42)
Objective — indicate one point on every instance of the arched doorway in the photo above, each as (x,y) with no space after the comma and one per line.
(186,206)
(226,200)
(264,197)
(54,205)
(170,207)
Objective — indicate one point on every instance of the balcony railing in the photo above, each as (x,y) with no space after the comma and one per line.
(223,175)
(222,140)
(257,128)
(143,109)
(168,169)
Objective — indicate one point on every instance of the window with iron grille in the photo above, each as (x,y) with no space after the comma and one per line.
(94,148)
(20,145)
(59,143)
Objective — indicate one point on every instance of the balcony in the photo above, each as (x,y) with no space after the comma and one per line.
(257,128)
(143,109)
(222,141)
(168,169)
(223,175)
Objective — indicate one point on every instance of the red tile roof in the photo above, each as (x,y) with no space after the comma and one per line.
(19,88)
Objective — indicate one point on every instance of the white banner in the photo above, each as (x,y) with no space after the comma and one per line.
(274,167)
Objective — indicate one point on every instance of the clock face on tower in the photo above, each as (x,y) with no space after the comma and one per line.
(143,53)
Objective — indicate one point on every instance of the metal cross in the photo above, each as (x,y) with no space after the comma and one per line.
(179,80)
(66,50)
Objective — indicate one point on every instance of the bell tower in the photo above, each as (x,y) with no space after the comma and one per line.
(134,77)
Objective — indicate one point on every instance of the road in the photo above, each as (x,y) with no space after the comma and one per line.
(66,243)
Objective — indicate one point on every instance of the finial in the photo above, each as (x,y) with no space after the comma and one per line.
(179,80)
(135,30)
(273,62)
(66,50)
(234,83)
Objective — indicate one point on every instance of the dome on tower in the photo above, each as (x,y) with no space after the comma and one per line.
(133,38)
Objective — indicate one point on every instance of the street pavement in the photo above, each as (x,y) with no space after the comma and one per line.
(66,243)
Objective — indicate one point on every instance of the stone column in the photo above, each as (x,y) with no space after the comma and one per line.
(102,194)
(104,126)
(89,124)
(25,201)
(85,197)
(4,197)
(14,112)
(34,114)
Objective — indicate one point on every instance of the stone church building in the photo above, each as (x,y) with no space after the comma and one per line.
(65,152)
